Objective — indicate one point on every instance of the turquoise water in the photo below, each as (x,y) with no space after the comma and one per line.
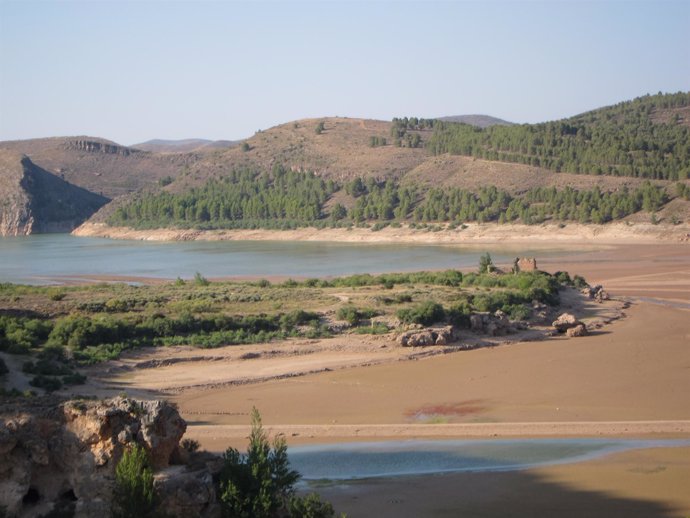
(395,458)
(55,258)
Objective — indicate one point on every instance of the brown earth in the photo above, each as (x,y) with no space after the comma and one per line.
(629,378)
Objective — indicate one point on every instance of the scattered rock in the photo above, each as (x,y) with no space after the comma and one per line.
(578,330)
(476,323)
(431,336)
(596,293)
(565,321)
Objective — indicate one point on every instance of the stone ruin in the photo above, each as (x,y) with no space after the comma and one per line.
(524,264)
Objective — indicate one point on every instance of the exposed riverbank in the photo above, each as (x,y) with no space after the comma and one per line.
(628,379)
(484,233)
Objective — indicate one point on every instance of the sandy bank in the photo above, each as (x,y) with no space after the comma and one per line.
(550,234)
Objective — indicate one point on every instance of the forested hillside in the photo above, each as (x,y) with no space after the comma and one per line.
(289,199)
(648,137)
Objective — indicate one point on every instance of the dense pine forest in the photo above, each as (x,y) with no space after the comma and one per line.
(627,139)
(287,199)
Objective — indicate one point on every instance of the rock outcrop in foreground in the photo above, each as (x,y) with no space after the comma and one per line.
(62,456)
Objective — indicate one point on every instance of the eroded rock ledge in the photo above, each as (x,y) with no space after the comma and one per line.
(61,455)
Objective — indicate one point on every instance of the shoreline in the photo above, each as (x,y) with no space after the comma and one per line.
(474,233)
(218,437)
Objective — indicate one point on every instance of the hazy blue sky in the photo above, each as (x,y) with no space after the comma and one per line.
(132,71)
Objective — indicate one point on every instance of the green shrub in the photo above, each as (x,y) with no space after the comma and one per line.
(563,278)
(485,263)
(579,282)
(309,506)
(74,378)
(133,494)
(296,318)
(353,315)
(200,280)
(375,329)
(459,314)
(47,383)
(257,484)
(517,311)
(424,313)
(190,445)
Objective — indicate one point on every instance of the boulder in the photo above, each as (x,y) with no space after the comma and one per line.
(578,330)
(188,493)
(476,323)
(564,322)
(596,292)
(445,335)
(431,336)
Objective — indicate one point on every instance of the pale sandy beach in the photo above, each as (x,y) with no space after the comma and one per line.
(472,234)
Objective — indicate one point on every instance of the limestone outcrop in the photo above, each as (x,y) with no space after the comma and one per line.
(431,336)
(62,455)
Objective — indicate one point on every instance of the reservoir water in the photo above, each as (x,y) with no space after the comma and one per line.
(57,258)
(394,458)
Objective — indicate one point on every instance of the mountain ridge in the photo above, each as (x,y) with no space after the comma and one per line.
(342,149)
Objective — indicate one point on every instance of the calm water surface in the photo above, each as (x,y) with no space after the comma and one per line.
(54,258)
(395,458)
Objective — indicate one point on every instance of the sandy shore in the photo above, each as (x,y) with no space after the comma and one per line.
(474,233)
(630,379)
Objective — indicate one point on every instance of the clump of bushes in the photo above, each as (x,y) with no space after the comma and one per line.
(353,315)
(20,334)
(424,313)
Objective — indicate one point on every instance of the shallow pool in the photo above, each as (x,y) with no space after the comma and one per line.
(394,458)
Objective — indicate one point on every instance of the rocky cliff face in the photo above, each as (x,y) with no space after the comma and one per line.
(61,456)
(95,146)
(33,200)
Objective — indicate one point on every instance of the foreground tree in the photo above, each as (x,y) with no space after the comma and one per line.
(133,485)
(260,483)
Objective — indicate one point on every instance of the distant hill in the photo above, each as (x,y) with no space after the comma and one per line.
(184,145)
(608,149)
(98,165)
(480,121)
(32,200)
(335,171)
